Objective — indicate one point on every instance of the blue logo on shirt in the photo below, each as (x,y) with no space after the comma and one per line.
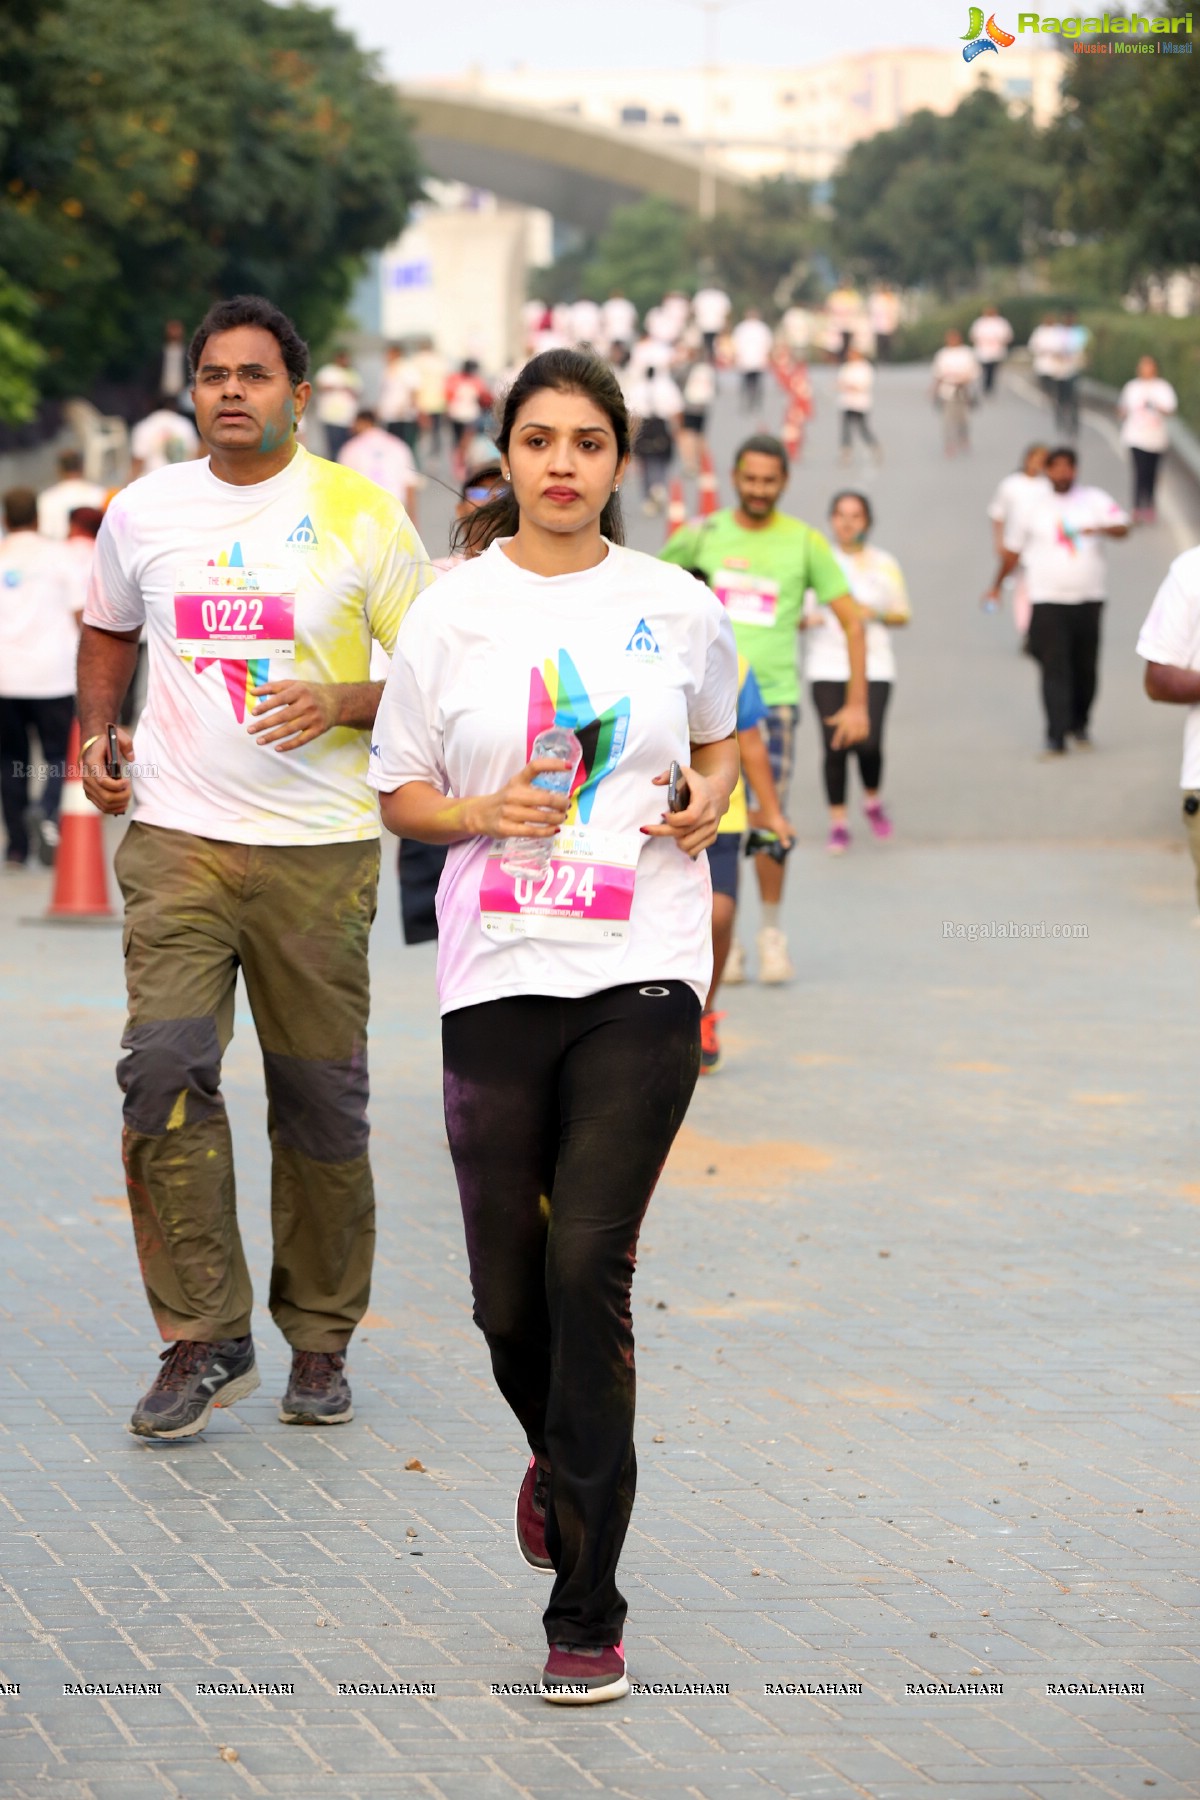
(643,641)
(303,536)
(12,577)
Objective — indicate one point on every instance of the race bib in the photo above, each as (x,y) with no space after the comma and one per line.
(748,599)
(233,612)
(584,897)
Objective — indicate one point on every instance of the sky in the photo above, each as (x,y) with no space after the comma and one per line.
(572,34)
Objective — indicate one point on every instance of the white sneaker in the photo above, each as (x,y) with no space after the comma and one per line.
(774,963)
(735,966)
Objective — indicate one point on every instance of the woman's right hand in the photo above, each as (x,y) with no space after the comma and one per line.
(520,809)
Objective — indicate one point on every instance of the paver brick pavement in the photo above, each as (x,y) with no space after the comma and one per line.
(918,1380)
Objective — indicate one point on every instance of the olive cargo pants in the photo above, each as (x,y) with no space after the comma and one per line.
(296,920)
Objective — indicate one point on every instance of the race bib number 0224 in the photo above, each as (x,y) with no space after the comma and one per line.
(585,895)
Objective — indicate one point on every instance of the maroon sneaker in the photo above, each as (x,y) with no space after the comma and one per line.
(582,1675)
(531,1515)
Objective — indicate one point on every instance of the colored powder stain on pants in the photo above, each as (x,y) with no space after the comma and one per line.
(296,921)
(576,1102)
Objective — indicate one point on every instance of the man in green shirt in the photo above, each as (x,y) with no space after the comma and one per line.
(760,564)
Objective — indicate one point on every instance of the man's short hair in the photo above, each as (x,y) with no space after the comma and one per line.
(70,462)
(1066,450)
(252,309)
(367,415)
(87,519)
(20,509)
(762,444)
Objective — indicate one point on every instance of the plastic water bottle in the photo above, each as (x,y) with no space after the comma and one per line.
(531,856)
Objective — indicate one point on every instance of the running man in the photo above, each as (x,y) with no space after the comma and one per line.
(1169,643)
(262,574)
(855,396)
(1059,535)
(955,381)
(760,564)
(990,336)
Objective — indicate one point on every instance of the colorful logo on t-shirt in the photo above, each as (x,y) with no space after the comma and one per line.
(996,39)
(557,696)
(241,676)
(1067,537)
(643,642)
(303,536)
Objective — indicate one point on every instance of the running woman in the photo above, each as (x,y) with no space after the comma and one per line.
(877,586)
(1145,405)
(1012,492)
(571,1001)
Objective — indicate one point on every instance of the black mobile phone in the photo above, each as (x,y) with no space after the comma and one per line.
(112,764)
(766,843)
(677,790)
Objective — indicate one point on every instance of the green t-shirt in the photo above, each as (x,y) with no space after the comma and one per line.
(761,577)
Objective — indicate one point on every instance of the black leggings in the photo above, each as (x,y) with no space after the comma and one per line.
(1145,478)
(828,696)
(560,1114)
(859,420)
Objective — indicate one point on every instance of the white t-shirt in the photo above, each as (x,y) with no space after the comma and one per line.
(855,386)
(752,344)
(711,308)
(585,321)
(954,368)
(1011,494)
(1171,635)
(346,557)
(382,458)
(620,320)
(639,659)
(339,391)
(655,397)
(39,638)
(161,438)
(991,337)
(883,311)
(1049,350)
(700,387)
(797,327)
(1144,406)
(1061,562)
(397,392)
(873,578)
(57,503)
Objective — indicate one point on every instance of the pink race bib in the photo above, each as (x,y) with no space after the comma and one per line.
(585,895)
(233,612)
(748,599)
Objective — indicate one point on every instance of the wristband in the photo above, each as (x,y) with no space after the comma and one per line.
(84,748)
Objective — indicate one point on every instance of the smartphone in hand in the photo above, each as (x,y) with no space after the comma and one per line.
(112,762)
(678,793)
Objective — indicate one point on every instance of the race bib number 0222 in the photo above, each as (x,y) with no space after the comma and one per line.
(231,612)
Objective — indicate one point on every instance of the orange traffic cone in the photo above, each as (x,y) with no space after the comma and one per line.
(676,508)
(80,877)
(709,498)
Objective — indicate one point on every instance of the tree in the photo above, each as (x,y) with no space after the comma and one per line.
(941,201)
(761,254)
(1128,142)
(645,251)
(154,161)
(21,358)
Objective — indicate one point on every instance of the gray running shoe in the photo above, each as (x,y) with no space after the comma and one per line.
(317,1390)
(192,1380)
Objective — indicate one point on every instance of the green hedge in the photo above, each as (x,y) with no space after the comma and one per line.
(1118,339)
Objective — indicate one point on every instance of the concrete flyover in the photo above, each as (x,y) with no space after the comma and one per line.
(575,170)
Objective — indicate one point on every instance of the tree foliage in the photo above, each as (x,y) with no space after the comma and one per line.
(644,251)
(941,200)
(1127,145)
(156,157)
(21,356)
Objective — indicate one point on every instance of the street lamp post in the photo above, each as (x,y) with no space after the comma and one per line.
(712,10)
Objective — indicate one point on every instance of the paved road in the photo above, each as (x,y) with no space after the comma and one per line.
(919,1368)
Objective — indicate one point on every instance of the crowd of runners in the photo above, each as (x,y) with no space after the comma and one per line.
(577,743)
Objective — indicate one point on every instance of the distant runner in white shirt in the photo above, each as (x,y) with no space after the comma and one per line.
(1059,535)
(263,575)
(383,459)
(39,637)
(883,317)
(990,337)
(397,409)
(1145,405)
(753,341)
(163,436)
(57,503)
(711,308)
(1048,352)
(620,318)
(338,386)
(955,380)
(571,997)
(1012,492)
(855,397)
(1170,643)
